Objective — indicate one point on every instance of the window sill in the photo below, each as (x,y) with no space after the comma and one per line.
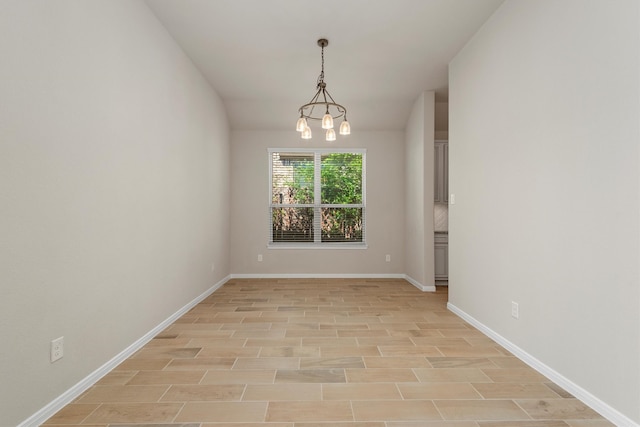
(331,246)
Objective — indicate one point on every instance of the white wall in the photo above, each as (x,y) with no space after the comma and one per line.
(114,188)
(418,176)
(250,202)
(544,163)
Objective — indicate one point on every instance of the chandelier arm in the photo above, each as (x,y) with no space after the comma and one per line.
(315,97)
(330,97)
(341,110)
(311,103)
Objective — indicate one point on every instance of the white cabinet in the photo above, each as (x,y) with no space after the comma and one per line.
(441,172)
(441,243)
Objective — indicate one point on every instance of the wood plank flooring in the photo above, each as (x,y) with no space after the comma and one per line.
(324,353)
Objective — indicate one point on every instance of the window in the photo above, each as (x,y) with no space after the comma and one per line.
(317,197)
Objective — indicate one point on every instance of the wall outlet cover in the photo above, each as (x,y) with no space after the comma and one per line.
(515,310)
(57,349)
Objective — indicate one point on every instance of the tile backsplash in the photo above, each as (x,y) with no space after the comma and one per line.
(440,217)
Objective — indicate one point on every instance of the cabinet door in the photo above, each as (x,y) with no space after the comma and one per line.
(445,173)
(436,173)
(441,261)
(441,172)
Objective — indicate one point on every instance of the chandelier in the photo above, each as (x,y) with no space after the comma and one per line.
(326,109)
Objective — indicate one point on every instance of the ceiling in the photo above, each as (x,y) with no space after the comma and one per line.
(262,58)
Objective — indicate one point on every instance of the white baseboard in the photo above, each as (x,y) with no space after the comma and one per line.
(423,288)
(317,276)
(74,392)
(587,398)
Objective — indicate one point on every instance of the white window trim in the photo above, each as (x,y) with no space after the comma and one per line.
(318,244)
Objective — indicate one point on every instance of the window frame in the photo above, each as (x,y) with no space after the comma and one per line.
(317,205)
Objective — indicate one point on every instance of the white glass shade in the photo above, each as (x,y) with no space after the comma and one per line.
(331,135)
(302,123)
(306,133)
(327,121)
(345,128)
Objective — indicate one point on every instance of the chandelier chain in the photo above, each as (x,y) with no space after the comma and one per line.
(321,76)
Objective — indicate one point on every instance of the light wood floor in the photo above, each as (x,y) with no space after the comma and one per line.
(324,353)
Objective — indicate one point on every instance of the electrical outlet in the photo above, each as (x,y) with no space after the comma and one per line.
(388,258)
(213,267)
(259,257)
(515,313)
(57,349)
